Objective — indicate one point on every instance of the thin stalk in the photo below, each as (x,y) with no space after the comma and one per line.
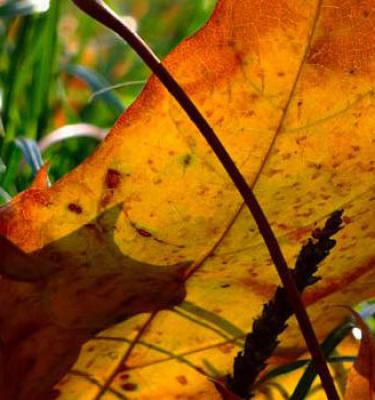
(98,10)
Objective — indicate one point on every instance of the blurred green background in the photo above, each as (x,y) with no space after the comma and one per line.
(64,80)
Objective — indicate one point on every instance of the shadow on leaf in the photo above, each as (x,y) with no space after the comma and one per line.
(56,299)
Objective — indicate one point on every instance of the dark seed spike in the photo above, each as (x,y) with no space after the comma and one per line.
(262,341)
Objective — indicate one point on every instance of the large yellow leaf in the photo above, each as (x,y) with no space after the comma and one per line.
(288,87)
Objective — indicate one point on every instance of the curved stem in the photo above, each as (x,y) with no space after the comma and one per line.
(98,10)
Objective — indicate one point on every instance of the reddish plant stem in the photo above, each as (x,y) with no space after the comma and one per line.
(102,13)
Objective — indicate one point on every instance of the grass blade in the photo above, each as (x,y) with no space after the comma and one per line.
(31,153)
(13,9)
(115,87)
(72,131)
(328,346)
(28,83)
(285,369)
(97,83)
(4,196)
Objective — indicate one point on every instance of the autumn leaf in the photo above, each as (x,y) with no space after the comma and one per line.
(151,232)
(361,380)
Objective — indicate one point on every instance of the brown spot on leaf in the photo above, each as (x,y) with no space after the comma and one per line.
(182,380)
(186,160)
(130,387)
(75,208)
(144,233)
(106,200)
(113,179)
(226,348)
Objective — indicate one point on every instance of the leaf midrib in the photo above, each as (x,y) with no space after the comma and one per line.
(275,136)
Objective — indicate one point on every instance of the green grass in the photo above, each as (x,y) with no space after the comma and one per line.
(55,67)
